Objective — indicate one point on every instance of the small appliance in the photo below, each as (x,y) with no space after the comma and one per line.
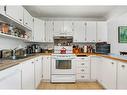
(102,47)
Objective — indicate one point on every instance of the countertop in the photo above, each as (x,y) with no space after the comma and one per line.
(9,63)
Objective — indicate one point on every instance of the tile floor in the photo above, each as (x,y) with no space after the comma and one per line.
(70,86)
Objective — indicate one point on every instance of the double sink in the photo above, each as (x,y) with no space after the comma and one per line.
(18,57)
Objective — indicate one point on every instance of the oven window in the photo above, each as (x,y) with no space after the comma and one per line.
(63,64)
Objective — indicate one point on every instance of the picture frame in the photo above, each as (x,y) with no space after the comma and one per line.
(122,34)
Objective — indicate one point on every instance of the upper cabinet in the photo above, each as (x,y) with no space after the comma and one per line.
(68,28)
(58,28)
(63,28)
(15,12)
(2,11)
(49,29)
(84,31)
(28,19)
(90,31)
(79,31)
(101,31)
(38,30)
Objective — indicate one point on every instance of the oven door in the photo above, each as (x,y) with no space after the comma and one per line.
(63,66)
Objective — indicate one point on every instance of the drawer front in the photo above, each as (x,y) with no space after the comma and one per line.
(83,77)
(83,64)
(83,70)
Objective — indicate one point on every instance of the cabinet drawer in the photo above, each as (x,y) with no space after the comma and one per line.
(83,64)
(83,76)
(83,70)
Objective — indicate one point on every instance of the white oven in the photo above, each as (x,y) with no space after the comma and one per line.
(63,68)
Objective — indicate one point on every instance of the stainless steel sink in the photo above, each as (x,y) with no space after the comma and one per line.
(18,57)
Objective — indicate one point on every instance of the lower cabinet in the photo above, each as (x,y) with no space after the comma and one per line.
(46,68)
(28,74)
(38,71)
(122,76)
(94,60)
(11,78)
(83,68)
(108,73)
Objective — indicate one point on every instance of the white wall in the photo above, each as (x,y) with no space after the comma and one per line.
(7,43)
(113,33)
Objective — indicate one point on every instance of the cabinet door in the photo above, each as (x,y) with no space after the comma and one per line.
(68,28)
(101,31)
(2,10)
(49,29)
(38,32)
(94,62)
(58,28)
(79,31)
(28,19)
(38,71)
(46,68)
(122,76)
(28,74)
(91,31)
(15,12)
(11,78)
(99,70)
(109,69)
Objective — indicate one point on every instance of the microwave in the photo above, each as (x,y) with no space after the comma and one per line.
(102,48)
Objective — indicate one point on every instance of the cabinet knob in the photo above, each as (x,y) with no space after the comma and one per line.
(82,76)
(32,62)
(112,62)
(26,23)
(123,66)
(82,70)
(20,19)
(82,64)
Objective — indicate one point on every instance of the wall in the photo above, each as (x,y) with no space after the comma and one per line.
(7,43)
(113,33)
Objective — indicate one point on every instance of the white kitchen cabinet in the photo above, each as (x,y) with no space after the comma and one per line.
(101,31)
(46,68)
(109,73)
(38,70)
(28,19)
(94,63)
(10,78)
(68,28)
(2,10)
(58,28)
(28,81)
(49,30)
(39,30)
(122,76)
(99,70)
(79,31)
(15,13)
(83,68)
(90,31)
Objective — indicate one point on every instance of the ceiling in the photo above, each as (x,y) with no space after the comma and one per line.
(71,11)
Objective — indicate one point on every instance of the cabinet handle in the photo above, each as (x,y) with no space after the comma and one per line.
(26,23)
(20,19)
(112,62)
(82,70)
(32,62)
(36,60)
(123,66)
(82,76)
(82,64)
